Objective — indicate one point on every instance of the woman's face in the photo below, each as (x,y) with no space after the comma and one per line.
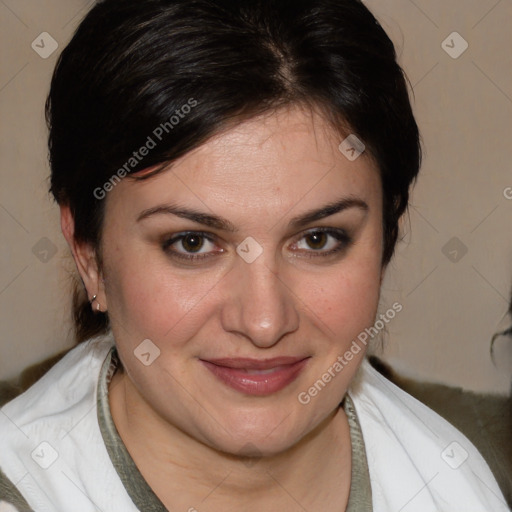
(231,256)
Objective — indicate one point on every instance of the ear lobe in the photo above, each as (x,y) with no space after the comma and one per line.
(84,256)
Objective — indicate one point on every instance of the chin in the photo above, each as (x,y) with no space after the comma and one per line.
(259,434)
(256,447)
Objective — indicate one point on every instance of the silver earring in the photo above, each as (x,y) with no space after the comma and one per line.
(94,299)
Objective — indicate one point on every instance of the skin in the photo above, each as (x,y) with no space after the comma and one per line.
(192,436)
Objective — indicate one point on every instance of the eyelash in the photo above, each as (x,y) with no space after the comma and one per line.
(339,234)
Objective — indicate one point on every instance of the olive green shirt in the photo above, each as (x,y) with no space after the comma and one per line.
(360,498)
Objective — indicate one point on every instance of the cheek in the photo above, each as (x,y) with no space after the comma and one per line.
(151,300)
(346,298)
(347,303)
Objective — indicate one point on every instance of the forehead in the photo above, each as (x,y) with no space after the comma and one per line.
(277,161)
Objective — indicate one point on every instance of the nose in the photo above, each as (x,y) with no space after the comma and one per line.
(260,305)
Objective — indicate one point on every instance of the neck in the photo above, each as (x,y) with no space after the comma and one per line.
(183,471)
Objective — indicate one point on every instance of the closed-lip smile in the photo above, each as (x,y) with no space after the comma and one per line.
(256,376)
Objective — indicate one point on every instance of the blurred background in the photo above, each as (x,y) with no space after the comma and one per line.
(452,272)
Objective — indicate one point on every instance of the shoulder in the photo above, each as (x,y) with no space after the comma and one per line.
(414,455)
(46,422)
(61,386)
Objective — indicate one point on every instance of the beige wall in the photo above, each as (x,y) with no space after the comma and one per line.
(464,108)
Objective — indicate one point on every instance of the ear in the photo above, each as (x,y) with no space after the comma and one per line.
(85,260)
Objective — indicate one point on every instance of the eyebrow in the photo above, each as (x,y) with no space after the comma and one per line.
(328,210)
(222,224)
(212,221)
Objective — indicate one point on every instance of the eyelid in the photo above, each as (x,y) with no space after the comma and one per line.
(321,229)
(341,235)
(168,241)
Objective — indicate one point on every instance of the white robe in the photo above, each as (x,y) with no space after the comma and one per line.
(418,462)
(51,446)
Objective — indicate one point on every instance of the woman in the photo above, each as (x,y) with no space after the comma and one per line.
(230,176)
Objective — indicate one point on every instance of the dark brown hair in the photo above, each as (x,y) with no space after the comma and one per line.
(134,64)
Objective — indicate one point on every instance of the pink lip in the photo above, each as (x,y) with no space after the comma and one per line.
(238,373)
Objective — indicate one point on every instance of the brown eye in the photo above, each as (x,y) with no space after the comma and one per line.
(192,242)
(317,240)
(191,246)
(323,242)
